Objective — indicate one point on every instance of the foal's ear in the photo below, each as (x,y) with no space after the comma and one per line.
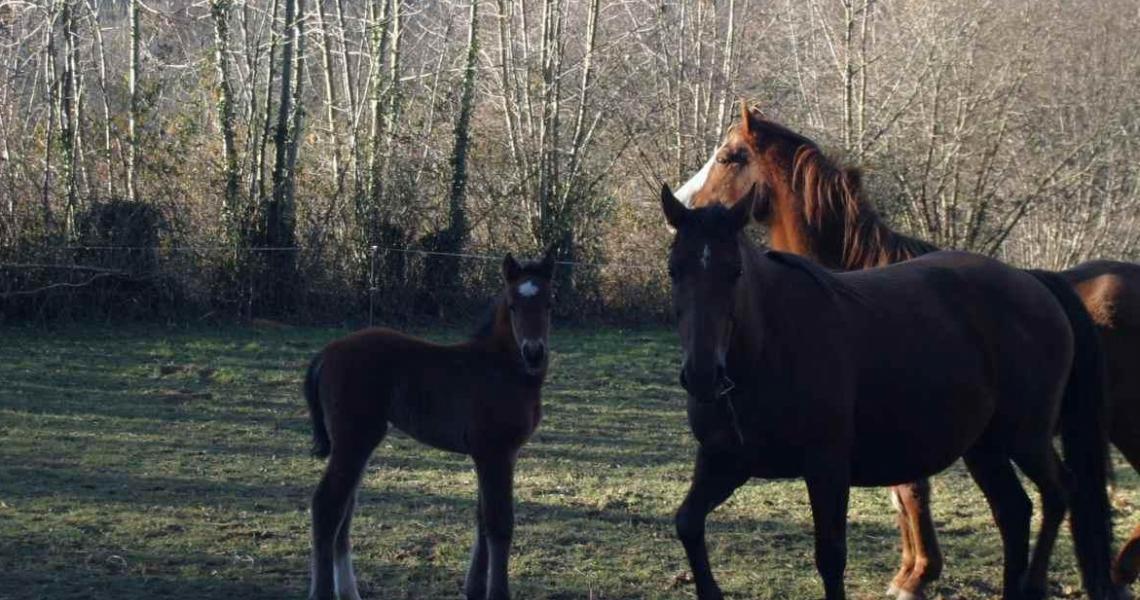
(547,264)
(741,212)
(746,127)
(675,212)
(854,177)
(511,268)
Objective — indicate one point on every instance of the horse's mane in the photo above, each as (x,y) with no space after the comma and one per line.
(836,215)
(824,277)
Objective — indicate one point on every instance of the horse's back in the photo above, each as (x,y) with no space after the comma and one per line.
(381,375)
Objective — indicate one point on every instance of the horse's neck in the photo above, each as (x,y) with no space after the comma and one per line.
(866,243)
(500,338)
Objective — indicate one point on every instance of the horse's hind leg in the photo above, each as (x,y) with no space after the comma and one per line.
(715,478)
(331,502)
(1125,436)
(1011,509)
(342,565)
(1053,482)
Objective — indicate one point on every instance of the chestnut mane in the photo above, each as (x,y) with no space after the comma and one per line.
(841,226)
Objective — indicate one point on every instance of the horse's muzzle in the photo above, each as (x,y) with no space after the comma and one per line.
(708,387)
(533,355)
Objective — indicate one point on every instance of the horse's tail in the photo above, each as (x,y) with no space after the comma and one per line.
(1084,436)
(322,446)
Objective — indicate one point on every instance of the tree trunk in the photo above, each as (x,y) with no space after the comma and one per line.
(133,115)
(220,10)
(457,228)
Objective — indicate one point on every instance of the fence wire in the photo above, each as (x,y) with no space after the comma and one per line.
(366,284)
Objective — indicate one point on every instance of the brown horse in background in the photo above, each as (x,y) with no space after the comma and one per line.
(884,376)
(817,209)
(481,398)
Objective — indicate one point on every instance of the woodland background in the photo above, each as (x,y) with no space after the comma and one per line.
(294,159)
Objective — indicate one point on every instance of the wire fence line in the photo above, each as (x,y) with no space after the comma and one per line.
(365,284)
(372,249)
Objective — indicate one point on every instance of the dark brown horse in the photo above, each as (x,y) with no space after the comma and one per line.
(795,372)
(481,398)
(817,209)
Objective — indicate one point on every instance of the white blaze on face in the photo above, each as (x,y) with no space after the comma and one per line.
(696,182)
(527,289)
(706,254)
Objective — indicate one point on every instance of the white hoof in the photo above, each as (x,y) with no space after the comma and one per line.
(893,590)
(905,595)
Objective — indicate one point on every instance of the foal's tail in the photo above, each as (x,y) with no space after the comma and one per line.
(1084,436)
(322,446)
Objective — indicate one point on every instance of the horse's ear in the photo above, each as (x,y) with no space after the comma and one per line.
(741,212)
(745,118)
(547,264)
(854,177)
(511,268)
(675,212)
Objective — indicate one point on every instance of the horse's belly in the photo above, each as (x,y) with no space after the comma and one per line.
(910,442)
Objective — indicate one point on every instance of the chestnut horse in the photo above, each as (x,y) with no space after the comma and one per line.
(817,209)
(481,398)
(946,356)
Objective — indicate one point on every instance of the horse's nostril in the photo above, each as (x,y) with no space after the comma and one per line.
(683,380)
(533,353)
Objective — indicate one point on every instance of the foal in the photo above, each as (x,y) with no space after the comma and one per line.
(481,398)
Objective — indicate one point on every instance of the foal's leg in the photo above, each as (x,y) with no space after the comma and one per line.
(1053,482)
(496,483)
(927,556)
(333,496)
(829,487)
(715,478)
(344,575)
(475,585)
(1011,508)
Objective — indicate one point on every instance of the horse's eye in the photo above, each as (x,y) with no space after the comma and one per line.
(738,272)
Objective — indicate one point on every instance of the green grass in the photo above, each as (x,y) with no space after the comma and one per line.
(154,463)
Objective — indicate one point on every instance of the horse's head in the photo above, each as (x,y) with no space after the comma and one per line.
(529,299)
(705,265)
(744,158)
(809,195)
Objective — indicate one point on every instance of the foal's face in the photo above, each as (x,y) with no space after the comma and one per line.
(529,298)
(705,265)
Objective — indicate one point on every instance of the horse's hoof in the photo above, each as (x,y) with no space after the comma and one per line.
(893,590)
(905,595)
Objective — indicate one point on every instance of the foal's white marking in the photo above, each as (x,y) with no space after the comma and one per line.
(528,289)
(696,182)
(344,578)
(706,254)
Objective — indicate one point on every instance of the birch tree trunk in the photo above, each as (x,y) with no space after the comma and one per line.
(220,11)
(133,115)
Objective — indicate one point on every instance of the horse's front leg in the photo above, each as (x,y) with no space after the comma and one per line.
(715,478)
(475,586)
(496,484)
(926,557)
(829,484)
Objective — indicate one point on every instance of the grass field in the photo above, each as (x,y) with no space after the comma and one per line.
(162,463)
